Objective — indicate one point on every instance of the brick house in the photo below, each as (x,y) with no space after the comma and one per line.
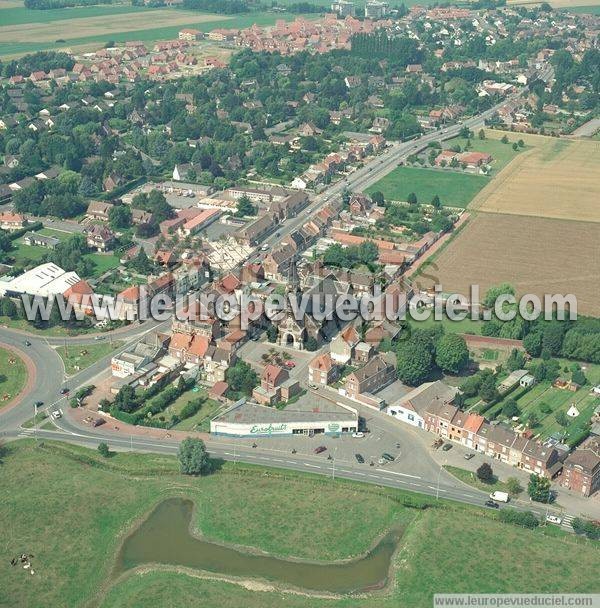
(322,370)
(371,377)
(581,470)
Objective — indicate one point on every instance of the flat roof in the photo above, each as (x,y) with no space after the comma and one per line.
(252,413)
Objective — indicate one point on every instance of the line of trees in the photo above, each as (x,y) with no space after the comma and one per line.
(379,44)
(49,4)
(222,7)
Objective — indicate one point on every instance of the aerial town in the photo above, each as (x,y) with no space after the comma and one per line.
(266,269)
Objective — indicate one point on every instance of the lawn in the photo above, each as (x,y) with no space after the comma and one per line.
(13,376)
(501,153)
(471,479)
(79,357)
(103,262)
(24,254)
(200,420)
(454,188)
(74,541)
(466,326)
(57,331)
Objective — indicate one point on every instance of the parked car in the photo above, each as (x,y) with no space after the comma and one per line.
(388,457)
(98,422)
(290,364)
(39,403)
(358,434)
(27,343)
(491,504)
(553,519)
(469,456)
(359,458)
(499,496)
(320,449)
(446,447)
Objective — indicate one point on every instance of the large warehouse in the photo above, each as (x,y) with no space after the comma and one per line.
(245,419)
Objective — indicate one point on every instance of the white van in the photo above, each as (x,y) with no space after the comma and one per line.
(499,496)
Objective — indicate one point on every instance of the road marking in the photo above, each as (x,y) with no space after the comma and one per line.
(277,460)
(396,473)
(313,466)
(437,489)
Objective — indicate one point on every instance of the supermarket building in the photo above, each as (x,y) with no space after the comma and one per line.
(246,419)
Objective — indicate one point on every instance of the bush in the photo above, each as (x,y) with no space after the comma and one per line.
(190,408)
(589,529)
(485,473)
(103,450)
(527,519)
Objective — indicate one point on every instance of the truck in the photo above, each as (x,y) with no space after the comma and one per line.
(499,496)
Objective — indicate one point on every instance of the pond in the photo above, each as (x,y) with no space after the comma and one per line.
(165,538)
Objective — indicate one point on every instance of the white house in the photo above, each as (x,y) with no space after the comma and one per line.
(298,183)
(411,407)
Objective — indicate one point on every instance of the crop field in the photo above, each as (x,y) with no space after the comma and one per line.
(102,25)
(557,178)
(454,188)
(85,28)
(536,255)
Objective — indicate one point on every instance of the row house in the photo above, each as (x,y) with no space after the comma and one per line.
(497,441)
(376,374)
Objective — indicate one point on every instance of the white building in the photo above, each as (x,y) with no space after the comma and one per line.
(252,420)
(44,280)
(411,407)
(376,9)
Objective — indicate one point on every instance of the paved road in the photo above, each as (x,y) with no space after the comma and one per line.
(319,465)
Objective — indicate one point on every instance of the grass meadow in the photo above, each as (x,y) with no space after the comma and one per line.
(70,508)
(455,189)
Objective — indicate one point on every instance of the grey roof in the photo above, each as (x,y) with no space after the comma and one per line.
(252,413)
(420,398)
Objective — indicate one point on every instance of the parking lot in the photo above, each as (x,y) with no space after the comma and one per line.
(252,353)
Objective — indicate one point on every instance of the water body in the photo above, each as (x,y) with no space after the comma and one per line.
(165,538)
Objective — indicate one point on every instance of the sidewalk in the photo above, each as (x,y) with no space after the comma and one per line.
(572,503)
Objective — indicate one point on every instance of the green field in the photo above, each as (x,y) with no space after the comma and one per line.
(13,376)
(592,10)
(80,356)
(17,15)
(455,189)
(74,540)
(501,153)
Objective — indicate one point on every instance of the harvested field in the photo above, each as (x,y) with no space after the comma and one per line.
(101,25)
(536,255)
(557,178)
